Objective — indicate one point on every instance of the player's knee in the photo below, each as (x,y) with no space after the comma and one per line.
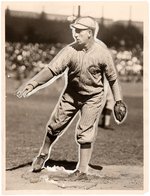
(84,139)
(51,131)
(52,138)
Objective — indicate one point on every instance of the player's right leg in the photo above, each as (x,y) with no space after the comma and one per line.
(60,119)
(39,161)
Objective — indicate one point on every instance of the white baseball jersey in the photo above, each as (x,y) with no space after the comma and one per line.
(85,88)
(85,68)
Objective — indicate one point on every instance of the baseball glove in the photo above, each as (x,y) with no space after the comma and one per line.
(120,111)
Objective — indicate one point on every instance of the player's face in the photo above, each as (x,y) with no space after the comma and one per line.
(81,36)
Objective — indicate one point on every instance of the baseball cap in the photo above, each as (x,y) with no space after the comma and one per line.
(84,23)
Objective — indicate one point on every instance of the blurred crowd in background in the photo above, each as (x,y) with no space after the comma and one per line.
(24,60)
(33,39)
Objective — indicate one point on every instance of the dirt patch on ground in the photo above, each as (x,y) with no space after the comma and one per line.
(55,178)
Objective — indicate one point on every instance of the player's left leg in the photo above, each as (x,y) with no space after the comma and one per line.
(86,133)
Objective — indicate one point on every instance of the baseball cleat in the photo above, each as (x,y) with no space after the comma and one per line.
(38,163)
(77,175)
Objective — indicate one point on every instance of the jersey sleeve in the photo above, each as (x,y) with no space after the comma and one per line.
(111,75)
(110,70)
(60,62)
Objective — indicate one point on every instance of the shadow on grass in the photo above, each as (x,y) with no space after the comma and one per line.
(68,165)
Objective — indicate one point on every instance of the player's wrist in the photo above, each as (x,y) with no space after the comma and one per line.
(118,101)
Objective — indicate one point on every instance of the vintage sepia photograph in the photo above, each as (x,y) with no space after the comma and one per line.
(75,109)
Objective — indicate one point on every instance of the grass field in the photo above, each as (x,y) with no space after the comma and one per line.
(26,120)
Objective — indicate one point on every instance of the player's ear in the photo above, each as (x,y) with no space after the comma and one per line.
(90,33)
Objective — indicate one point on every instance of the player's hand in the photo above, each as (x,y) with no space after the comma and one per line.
(25,91)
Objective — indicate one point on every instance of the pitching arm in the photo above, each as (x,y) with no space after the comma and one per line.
(56,67)
(41,78)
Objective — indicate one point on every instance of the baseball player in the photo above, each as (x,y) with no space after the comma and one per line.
(84,61)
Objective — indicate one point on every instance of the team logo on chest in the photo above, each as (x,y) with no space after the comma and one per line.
(94,69)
